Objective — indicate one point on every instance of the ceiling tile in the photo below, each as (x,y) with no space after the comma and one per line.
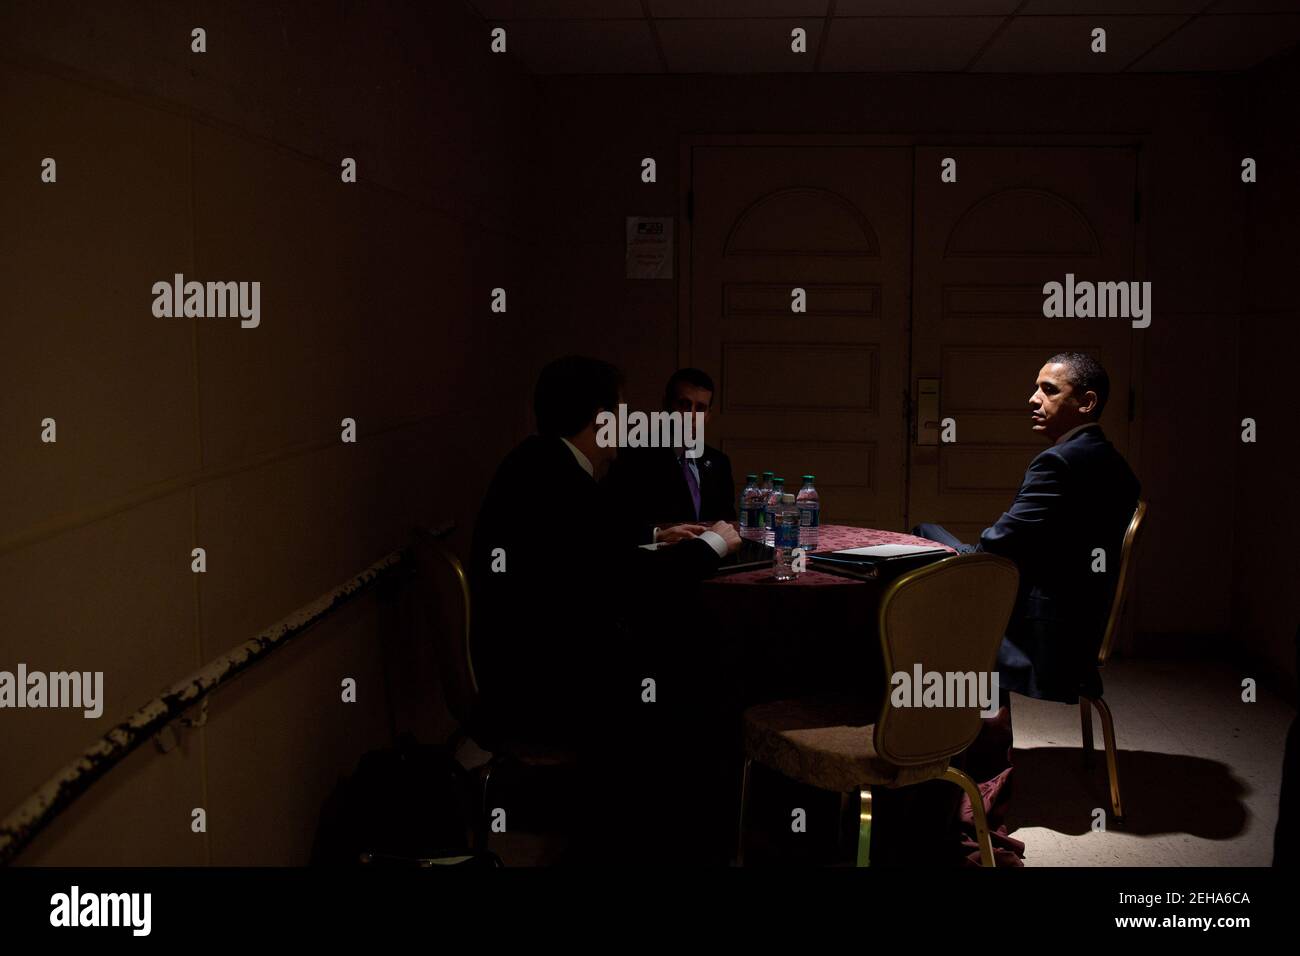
(1112,7)
(707,9)
(924,8)
(559,9)
(1064,44)
(1223,43)
(905,44)
(736,46)
(1255,6)
(583,46)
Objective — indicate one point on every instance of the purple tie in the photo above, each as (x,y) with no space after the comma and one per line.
(692,484)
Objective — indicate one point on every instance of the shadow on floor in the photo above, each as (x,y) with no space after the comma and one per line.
(1162,793)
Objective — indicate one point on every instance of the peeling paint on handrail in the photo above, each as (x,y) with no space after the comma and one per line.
(47,802)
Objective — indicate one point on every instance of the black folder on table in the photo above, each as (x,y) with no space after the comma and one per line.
(881,561)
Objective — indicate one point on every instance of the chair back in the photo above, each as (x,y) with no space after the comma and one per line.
(1122,584)
(444,596)
(948,619)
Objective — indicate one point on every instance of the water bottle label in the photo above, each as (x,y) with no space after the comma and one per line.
(809,517)
(787,535)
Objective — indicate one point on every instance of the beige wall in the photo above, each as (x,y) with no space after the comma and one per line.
(176,433)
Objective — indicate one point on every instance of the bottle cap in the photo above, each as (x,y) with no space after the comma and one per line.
(809,477)
(778,481)
(768,474)
(787,499)
(751,477)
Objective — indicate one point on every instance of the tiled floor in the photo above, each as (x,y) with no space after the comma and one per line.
(1199,769)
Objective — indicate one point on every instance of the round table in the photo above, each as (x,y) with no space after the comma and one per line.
(834,537)
(815,632)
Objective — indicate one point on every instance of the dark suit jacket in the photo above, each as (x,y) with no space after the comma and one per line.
(548,642)
(649,490)
(1077,496)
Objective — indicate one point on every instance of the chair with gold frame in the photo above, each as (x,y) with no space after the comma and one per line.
(1086,703)
(948,617)
(444,591)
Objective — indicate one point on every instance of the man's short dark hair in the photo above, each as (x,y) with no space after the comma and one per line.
(570,391)
(691,376)
(1085,374)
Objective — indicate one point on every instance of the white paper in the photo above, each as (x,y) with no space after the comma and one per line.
(649,247)
(651,547)
(890,550)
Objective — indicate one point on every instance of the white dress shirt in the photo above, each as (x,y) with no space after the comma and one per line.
(583,460)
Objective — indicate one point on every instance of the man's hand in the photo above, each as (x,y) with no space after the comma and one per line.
(679,532)
(727,533)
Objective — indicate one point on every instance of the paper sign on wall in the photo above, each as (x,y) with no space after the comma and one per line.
(649,247)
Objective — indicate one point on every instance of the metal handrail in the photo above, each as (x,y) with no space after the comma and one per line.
(56,794)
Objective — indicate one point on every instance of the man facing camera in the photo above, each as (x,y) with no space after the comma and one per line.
(1077,498)
(552,582)
(656,488)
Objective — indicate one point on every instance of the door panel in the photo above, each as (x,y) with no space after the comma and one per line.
(821,391)
(1015,219)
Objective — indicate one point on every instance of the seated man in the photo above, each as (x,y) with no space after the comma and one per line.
(654,488)
(1078,496)
(552,583)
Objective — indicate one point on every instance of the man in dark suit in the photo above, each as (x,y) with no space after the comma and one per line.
(656,488)
(1064,531)
(569,620)
(554,585)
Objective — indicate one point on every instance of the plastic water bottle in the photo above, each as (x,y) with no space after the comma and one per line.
(771,506)
(757,513)
(751,519)
(764,492)
(786,524)
(810,513)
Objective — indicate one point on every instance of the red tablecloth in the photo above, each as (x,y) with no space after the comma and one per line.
(834,537)
(815,632)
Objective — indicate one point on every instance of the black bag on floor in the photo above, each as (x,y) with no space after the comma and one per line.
(410,805)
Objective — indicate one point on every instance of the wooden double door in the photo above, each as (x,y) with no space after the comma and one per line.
(922,302)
